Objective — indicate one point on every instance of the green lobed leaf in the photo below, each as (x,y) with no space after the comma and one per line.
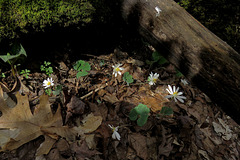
(142,120)
(142,109)
(162,60)
(133,114)
(178,74)
(81,74)
(156,56)
(17,50)
(82,65)
(141,112)
(127,77)
(77,65)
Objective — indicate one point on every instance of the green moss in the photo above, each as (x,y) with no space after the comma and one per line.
(22,16)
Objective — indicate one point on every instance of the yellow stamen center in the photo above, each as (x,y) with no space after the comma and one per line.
(154,80)
(48,83)
(113,129)
(117,69)
(175,93)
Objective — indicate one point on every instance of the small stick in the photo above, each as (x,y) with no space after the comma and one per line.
(93,91)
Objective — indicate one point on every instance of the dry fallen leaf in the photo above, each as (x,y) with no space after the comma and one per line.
(223,129)
(139,144)
(76,106)
(155,100)
(23,126)
(110,98)
(82,151)
(90,124)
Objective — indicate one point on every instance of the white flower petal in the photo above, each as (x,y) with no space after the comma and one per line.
(180,93)
(169,96)
(151,83)
(156,75)
(117,69)
(117,135)
(177,96)
(177,89)
(110,126)
(175,99)
(170,89)
(184,82)
(182,97)
(174,89)
(47,83)
(114,135)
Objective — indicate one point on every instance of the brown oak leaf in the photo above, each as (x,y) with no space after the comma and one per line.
(18,125)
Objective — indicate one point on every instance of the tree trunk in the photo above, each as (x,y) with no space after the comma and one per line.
(207,61)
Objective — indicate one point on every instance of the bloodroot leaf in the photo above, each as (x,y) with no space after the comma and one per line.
(133,114)
(142,120)
(141,112)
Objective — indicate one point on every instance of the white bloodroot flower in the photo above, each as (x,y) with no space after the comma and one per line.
(115,134)
(117,69)
(152,78)
(175,94)
(184,82)
(158,11)
(48,83)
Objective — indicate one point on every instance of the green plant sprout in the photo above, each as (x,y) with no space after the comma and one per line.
(127,78)
(166,111)
(48,91)
(47,68)
(82,67)
(157,58)
(17,50)
(141,112)
(2,75)
(25,73)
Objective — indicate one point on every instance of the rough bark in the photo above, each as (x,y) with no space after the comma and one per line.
(207,61)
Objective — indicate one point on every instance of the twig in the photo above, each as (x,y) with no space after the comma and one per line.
(93,91)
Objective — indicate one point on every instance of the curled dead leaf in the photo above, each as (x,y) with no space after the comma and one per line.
(25,126)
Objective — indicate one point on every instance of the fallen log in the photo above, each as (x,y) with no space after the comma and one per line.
(207,61)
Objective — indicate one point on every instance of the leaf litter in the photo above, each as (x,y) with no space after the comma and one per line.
(74,124)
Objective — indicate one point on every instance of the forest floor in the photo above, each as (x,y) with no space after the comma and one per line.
(74,123)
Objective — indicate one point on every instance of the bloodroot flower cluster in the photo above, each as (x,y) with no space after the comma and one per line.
(115,134)
(152,78)
(175,94)
(48,83)
(117,69)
